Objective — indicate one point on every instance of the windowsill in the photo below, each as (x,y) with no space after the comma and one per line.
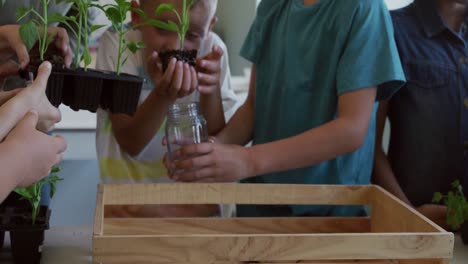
(72,120)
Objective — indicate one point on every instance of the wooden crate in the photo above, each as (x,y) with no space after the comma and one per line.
(394,233)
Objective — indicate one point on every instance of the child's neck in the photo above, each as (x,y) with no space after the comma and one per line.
(310,2)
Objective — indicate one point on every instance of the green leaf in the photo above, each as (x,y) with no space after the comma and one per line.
(29,34)
(87,58)
(163,8)
(55,170)
(57,18)
(164,25)
(25,193)
(21,12)
(455,184)
(113,15)
(134,47)
(437,197)
(140,12)
(95,27)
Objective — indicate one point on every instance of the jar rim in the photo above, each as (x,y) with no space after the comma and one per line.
(185,108)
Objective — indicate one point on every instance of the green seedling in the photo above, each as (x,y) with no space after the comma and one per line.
(183,19)
(79,27)
(35,29)
(117,14)
(457,205)
(33,193)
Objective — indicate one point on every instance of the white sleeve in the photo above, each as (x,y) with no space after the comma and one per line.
(228,96)
(106,54)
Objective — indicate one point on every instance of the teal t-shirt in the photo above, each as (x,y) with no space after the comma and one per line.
(306,57)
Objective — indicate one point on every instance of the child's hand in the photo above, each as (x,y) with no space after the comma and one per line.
(179,79)
(436,213)
(11,45)
(209,71)
(40,151)
(34,95)
(211,162)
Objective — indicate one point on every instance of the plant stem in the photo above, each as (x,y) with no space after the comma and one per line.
(121,48)
(78,42)
(85,26)
(44,29)
(181,37)
(34,214)
(182,22)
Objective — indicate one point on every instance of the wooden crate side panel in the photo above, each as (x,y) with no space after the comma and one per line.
(99,211)
(174,193)
(392,215)
(274,248)
(425,261)
(116,260)
(185,226)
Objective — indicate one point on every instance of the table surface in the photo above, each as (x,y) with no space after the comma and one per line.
(72,245)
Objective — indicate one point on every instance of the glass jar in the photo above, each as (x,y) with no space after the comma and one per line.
(185,126)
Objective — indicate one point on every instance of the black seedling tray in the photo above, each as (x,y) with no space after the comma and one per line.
(91,89)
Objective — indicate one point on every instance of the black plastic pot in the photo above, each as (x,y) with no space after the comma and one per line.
(464,233)
(2,239)
(26,246)
(26,239)
(125,94)
(82,89)
(120,93)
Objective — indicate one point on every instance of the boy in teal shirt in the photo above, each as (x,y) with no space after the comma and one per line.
(319,68)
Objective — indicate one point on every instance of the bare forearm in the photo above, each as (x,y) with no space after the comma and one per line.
(11,167)
(383,173)
(134,133)
(6,96)
(212,109)
(336,138)
(384,176)
(11,112)
(239,129)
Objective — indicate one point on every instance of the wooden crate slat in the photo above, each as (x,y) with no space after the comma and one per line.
(99,211)
(201,248)
(180,226)
(175,193)
(117,260)
(392,215)
(399,234)
(425,261)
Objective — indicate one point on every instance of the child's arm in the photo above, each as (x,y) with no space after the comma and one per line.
(385,177)
(7,95)
(239,129)
(30,98)
(228,163)
(383,173)
(27,155)
(209,75)
(135,132)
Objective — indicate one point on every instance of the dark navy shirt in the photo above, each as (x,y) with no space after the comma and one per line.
(429,116)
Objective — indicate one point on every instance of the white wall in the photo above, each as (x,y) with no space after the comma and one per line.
(394,4)
(235,18)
